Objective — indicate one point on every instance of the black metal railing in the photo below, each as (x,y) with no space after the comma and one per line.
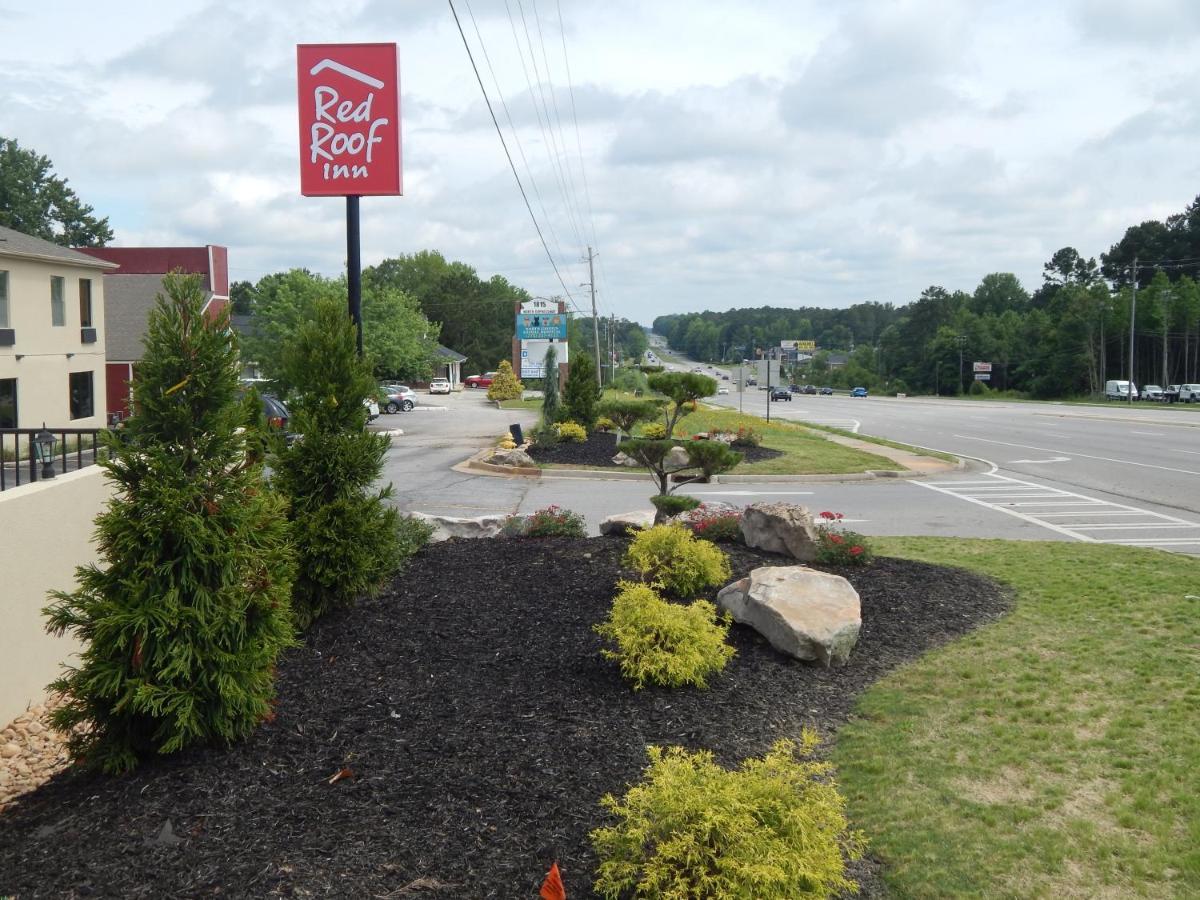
(74,449)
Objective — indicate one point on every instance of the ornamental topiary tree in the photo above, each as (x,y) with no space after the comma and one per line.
(185,617)
(348,537)
(581,393)
(710,457)
(625,414)
(505,385)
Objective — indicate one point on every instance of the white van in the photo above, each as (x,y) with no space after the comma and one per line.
(1118,390)
(1189,393)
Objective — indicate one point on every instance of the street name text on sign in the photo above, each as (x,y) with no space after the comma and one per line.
(349,100)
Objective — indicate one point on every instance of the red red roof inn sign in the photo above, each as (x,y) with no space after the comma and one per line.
(349,119)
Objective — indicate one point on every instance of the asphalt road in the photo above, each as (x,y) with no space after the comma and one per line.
(1043,471)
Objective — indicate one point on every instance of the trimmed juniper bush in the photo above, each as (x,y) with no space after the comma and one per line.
(186,614)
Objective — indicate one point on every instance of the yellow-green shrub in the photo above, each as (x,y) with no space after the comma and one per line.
(572,432)
(604,423)
(655,431)
(670,557)
(664,643)
(774,829)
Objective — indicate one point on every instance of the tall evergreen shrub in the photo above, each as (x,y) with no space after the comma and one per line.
(551,400)
(348,537)
(581,392)
(185,617)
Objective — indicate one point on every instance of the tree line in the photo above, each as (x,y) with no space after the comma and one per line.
(1066,338)
(411,303)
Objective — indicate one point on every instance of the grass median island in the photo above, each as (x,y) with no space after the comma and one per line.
(805,452)
(1055,753)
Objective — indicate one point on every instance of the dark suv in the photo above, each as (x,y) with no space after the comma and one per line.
(781,394)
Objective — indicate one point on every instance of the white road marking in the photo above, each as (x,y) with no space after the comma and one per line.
(1052,459)
(1126,462)
(1149,433)
(1005,494)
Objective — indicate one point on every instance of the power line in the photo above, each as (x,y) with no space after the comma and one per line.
(512,127)
(508,156)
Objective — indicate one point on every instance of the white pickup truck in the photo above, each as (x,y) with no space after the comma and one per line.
(1189,393)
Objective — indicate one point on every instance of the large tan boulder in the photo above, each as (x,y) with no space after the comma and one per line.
(516,458)
(785,528)
(804,613)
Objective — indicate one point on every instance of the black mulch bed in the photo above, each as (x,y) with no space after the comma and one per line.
(600,448)
(481,725)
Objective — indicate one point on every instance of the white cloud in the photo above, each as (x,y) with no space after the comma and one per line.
(776,152)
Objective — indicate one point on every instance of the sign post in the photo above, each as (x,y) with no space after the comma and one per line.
(349,102)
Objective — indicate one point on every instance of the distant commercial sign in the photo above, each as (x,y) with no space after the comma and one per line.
(981,367)
(540,306)
(542,326)
(349,96)
(983,376)
(798,345)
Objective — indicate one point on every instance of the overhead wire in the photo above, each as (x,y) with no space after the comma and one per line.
(543,123)
(508,156)
(513,128)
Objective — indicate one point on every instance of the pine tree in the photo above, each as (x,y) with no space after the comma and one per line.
(551,402)
(183,622)
(348,537)
(581,393)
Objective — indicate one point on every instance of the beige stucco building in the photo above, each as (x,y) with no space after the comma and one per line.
(51,335)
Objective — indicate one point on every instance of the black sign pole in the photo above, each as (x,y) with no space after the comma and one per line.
(354,267)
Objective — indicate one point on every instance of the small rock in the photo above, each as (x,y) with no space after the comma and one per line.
(624,523)
(35,727)
(10,751)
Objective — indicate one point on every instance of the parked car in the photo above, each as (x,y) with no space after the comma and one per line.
(781,394)
(722,390)
(859,392)
(1189,393)
(826,392)
(810,389)
(480,381)
(1152,392)
(1120,390)
(372,409)
(400,398)
(751,382)
(439,386)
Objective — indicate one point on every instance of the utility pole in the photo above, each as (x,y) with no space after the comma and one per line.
(595,322)
(1132,319)
(612,347)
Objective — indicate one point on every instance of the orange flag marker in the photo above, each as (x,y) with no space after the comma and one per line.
(552,887)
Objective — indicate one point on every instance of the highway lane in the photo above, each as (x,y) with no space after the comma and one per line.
(1116,473)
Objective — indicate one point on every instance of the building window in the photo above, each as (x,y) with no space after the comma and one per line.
(8,403)
(4,300)
(58,309)
(85,303)
(82,401)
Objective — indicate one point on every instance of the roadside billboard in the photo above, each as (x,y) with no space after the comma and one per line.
(981,367)
(349,102)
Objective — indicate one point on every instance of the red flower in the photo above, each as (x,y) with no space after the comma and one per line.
(827,515)
(856,550)
(837,539)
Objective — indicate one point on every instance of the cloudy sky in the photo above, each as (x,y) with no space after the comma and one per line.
(715,154)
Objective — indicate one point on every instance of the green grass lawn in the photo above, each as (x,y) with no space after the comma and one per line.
(533,405)
(1055,753)
(805,451)
(883,442)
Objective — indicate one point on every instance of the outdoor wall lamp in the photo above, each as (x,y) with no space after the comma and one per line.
(43,451)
